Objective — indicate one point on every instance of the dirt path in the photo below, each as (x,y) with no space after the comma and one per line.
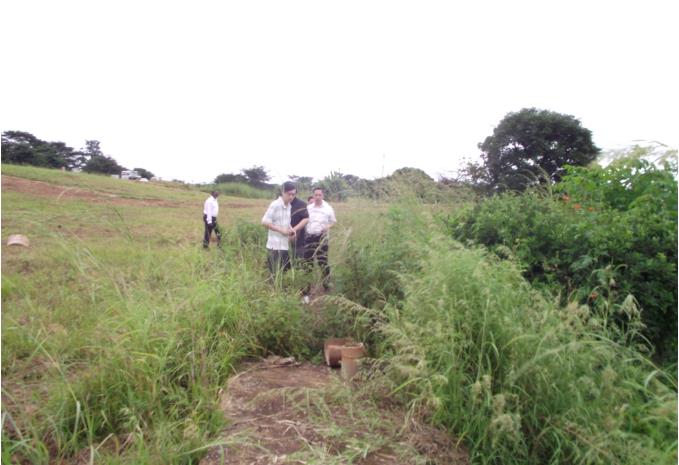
(305,414)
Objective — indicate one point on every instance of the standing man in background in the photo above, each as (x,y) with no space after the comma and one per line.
(321,219)
(277,221)
(210,213)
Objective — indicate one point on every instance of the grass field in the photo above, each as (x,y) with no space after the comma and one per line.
(119,330)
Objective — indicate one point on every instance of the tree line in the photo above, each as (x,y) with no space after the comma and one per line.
(527,148)
(23,148)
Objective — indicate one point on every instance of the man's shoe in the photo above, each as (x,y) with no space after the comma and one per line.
(306,300)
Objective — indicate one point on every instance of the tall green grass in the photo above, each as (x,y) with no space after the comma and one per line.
(119,331)
(472,346)
(129,345)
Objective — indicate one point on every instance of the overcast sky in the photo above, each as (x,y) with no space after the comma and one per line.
(189,90)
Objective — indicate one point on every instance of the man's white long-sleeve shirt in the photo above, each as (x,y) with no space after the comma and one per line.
(210,209)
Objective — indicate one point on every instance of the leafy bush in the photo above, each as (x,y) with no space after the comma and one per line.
(611,233)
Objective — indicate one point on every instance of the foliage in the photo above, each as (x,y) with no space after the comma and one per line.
(334,186)
(256,176)
(372,262)
(478,351)
(532,144)
(144,173)
(303,183)
(119,332)
(23,148)
(465,341)
(229,177)
(240,189)
(613,235)
(102,164)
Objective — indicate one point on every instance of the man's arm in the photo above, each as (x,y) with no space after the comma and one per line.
(300,225)
(331,221)
(267,222)
(278,229)
(207,211)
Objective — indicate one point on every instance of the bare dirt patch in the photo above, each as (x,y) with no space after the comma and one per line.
(302,413)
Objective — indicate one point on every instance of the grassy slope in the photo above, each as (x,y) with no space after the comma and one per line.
(117,328)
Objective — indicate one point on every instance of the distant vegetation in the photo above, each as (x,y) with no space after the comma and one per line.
(119,331)
(605,236)
(23,148)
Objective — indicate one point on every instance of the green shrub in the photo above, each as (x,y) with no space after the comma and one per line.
(613,235)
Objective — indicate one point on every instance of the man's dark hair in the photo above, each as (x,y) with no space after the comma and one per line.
(289,186)
(317,188)
(214,193)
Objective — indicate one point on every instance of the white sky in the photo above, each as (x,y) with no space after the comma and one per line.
(189,90)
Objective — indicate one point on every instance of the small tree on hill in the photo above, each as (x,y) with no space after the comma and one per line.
(102,164)
(256,176)
(144,173)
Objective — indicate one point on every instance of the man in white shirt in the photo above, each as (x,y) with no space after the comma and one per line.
(277,221)
(321,219)
(210,213)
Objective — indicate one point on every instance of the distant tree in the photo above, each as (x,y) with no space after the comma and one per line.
(144,173)
(412,173)
(20,148)
(97,162)
(228,177)
(256,176)
(408,181)
(351,180)
(303,183)
(60,155)
(530,144)
(92,148)
(334,186)
(102,164)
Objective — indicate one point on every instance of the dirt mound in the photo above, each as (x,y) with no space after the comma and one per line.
(282,412)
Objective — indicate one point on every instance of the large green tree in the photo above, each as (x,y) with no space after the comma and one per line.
(532,146)
(97,162)
(20,147)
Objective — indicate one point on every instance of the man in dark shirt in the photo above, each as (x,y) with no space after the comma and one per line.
(299,217)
